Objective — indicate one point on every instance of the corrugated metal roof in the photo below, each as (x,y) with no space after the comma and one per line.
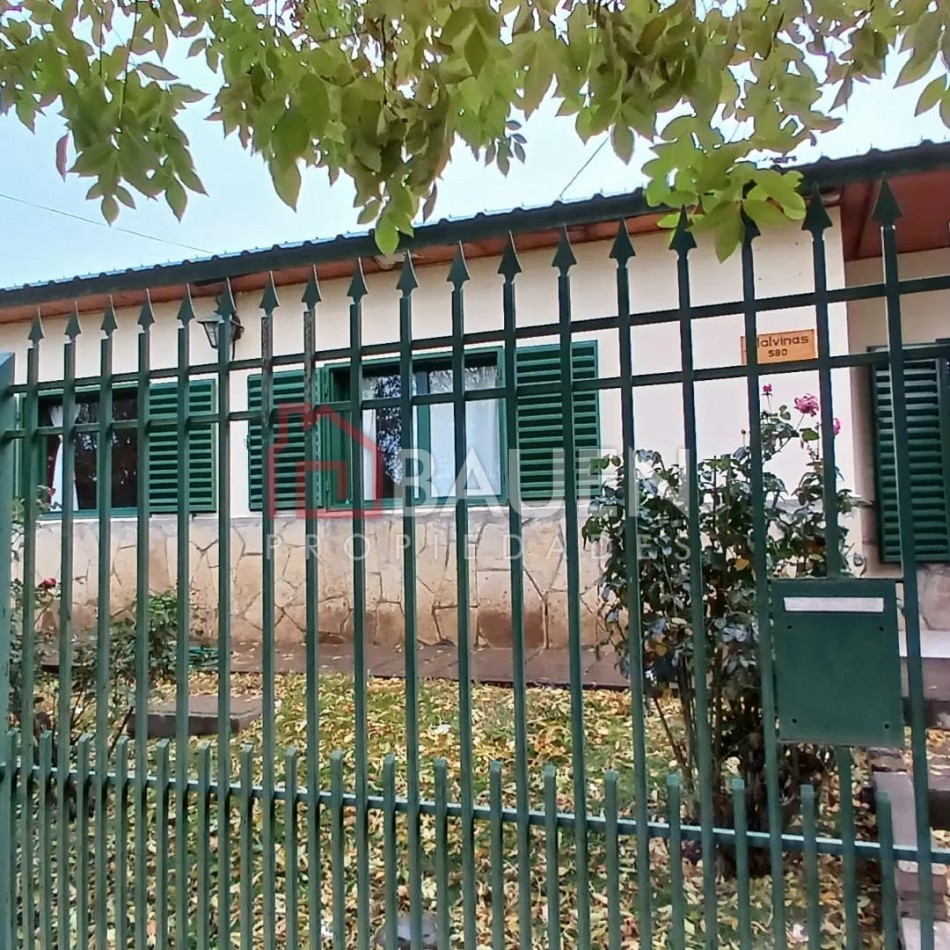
(825,172)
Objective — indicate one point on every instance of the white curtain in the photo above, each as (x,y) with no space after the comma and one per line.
(482,436)
(56,419)
(370,462)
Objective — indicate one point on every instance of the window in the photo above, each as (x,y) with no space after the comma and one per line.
(541,422)
(927,439)
(164,481)
(540,430)
(433,432)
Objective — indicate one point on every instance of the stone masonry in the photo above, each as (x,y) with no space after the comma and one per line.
(545,576)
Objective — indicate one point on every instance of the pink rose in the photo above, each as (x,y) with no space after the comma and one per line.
(837,425)
(807,405)
(48,583)
(767,389)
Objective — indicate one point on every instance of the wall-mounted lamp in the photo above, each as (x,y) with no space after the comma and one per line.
(212,326)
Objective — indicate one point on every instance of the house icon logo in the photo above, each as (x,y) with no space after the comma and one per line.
(299,419)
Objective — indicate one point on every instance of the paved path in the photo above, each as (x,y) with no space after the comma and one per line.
(542,667)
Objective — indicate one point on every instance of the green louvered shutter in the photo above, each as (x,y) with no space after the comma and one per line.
(927,424)
(163,449)
(290,447)
(541,422)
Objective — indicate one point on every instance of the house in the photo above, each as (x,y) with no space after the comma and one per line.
(784,283)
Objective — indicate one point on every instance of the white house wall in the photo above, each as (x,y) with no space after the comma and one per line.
(783,266)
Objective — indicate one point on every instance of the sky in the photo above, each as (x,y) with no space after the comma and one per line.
(42,239)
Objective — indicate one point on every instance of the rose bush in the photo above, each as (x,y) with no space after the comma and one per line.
(795,546)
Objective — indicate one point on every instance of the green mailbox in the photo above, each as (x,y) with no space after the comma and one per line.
(837,661)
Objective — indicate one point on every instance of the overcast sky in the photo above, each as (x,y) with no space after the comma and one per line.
(241,210)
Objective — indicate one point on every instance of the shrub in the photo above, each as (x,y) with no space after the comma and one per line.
(795,546)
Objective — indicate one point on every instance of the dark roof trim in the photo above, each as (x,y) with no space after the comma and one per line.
(828,174)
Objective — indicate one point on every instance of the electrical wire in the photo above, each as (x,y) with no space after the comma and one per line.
(103,224)
(580,171)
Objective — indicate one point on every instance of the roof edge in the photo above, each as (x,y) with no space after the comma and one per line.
(825,173)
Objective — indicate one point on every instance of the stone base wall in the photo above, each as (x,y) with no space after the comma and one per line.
(933,586)
(545,576)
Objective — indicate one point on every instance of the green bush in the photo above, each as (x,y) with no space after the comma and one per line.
(795,546)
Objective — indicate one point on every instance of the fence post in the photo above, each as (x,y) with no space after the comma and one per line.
(7,479)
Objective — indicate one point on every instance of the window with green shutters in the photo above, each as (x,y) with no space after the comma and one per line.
(289,455)
(541,421)
(926,439)
(163,478)
(540,429)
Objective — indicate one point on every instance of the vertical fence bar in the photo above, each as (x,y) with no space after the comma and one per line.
(509,268)
(357,290)
(67,529)
(742,861)
(497,859)
(7,454)
(463,600)
(389,846)
(678,931)
(442,852)
(552,857)
(759,559)
(162,863)
(622,251)
(28,630)
(683,242)
(8,793)
(291,866)
(564,260)
(311,298)
(103,618)
(204,847)
(407,284)
(227,311)
(45,820)
(612,845)
(810,859)
(338,844)
(886,214)
(142,621)
(269,304)
(122,842)
(817,222)
(186,314)
(848,857)
(246,834)
(885,833)
(82,845)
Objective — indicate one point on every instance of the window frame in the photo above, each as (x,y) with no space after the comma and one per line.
(422,365)
(50,396)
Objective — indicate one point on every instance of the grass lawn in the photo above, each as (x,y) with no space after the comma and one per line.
(608,733)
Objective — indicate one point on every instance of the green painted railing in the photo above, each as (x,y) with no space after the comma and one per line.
(301,843)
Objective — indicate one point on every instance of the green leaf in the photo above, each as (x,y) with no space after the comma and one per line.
(387,237)
(287,183)
(156,72)
(177,198)
(622,140)
(291,137)
(945,109)
(932,94)
(110,209)
(315,103)
(476,51)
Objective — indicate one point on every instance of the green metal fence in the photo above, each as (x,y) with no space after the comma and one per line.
(283,838)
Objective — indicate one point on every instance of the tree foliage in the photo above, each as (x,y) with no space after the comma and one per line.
(795,530)
(380,90)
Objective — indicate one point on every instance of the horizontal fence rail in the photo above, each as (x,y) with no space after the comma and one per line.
(362,781)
